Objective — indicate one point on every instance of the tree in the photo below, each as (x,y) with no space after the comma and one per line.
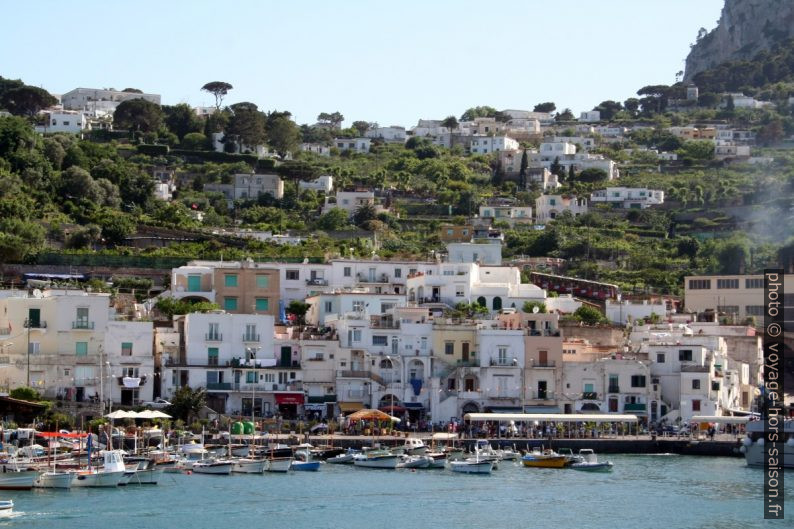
(545,107)
(181,120)
(78,184)
(335,219)
(589,315)
(608,109)
(479,112)
(298,309)
(364,213)
(194,141)
(450,122)
(138,115)
(529,307)
(557,168)
(247,126)
(571,174)
(27,100)
(592,174)
(729,104)
(219,89)
(284,135)
(116,227)
(632,105)
(565,115)
(25,393)
(361,127)
(523,171)
(770,133)
(133,91)
(187,402)
(333,120)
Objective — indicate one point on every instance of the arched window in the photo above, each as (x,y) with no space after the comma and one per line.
(497,303)
(481,301)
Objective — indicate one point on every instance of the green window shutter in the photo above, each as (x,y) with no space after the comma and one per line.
(81,348)
(262,304)
(230,280)
(262,281)
(229,303)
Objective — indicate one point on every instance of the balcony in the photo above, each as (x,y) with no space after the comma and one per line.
(540,395)
(504,362)
(613,389)
(41,324)
(317,282)
(121,380)
(213,337)
(83,325)
(694,368)
(590,395)
(363,278)
(548,363)
(634,407)
(219,386)
(250,338)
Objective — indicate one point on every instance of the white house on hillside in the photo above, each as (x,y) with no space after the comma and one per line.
(489,144)
(628,197)
(548,207)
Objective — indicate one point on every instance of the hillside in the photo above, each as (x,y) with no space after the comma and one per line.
(745,28)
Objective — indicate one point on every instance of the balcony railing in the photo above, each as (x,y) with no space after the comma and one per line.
(216,386)
(363,278)
(121,380)
(589,395)
(548,363)
(634,407)
(41,324)
(83,324)
(213,337)
(250,337)
(504,362)
(317,282)
(613,389)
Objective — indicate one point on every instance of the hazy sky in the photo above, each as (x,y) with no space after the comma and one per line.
(390,62)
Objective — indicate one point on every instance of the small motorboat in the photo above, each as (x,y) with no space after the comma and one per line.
(408,461)
(543,459)
(376,459)
(54,480)
(508,454)
(471,465)
(6,506)
(304,462)
(110,475)
(570,457)
(279,464)
(246,465)
(590,462)
(414,447)
(212,466)
(436,459)
(342,459)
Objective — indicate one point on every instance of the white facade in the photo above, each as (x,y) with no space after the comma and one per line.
(249,186)
(324,183)
(63,121)
(359,145)
(393,134)
(88,98)
(350,201)
(509,213)
(465,252)
(548,207)
(623,312)
(489,144)
(316,148)
(130,362)
(590,116)
(629,197)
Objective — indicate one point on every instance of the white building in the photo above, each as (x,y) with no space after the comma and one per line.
(510,214)
(96,98)
(324,183)
(548,207)
(489,144)
(316,148)
(359,145)
(629,197)
(466,252)
(609,385)
(130,362)
(590,116)
(63,121)
(393,134)
(350,201)
(249,186)
(623,312)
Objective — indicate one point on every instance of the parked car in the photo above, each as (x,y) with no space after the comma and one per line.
(157,403)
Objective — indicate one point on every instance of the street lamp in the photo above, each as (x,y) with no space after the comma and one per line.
(252,354)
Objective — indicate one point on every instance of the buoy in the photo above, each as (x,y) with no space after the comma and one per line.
(189,472)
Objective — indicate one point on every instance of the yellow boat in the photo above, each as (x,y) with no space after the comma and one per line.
(544,459)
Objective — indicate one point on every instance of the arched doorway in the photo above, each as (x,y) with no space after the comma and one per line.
(590,406)
(481,301)
(470,407)
(497,303)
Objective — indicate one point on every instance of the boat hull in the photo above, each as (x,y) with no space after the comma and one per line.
(216,469)
(755,453)
(98,479)
(593,467)
(17,480)
(384,462)
(148,476)
(342,459)
(305,466)
(249,466)
(280,464)
(544,461)
(471,467)
(54,480)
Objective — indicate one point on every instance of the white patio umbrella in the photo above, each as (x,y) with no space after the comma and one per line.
(152,414)
(122,414)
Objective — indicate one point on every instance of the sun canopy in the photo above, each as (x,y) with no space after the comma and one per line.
(151,414)
(121,414)
(720,419)
(440,436)
(372,415)
(68,435)
(549,417)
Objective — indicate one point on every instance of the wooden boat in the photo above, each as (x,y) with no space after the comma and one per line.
(110,475)
(214,467)
(246,465)
(376,459)
(279,464)
(590,462)
(471,465)
(54,480)
(14,478)
(544,459)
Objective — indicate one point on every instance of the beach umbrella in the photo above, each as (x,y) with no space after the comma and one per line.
(372,415)
(122,414)
(157,414)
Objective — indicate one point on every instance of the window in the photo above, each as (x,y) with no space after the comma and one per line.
(293,275)
(715,385)
(262,281)
(695,383)
(502,354)
(81,348)
(589,387)
(82,317)
(638,381)
(35,347)
(213,333)
(250,332)
(212,356)
(699,284)
(727,283)
(230,280)
(754,310)
(356,335)
(449,272)
(398,272)
(262,304)
(459,292)
(329,306)
(756,282)
(685,355)
(347,271)
(358,306)
(126,348)
(250,377)
(423,346)
(695,405)
(212,377)
(380,340)
(660,358)
(65,123)
(552,202)
(230,303)
(449,348)
(728,309)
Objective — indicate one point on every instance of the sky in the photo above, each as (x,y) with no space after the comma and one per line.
(388,62)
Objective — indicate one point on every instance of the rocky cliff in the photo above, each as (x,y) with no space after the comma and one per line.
(745,28)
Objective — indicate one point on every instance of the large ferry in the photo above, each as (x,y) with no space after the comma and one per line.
(753,444)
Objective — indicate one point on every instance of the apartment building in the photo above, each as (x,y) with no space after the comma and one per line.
(735,297)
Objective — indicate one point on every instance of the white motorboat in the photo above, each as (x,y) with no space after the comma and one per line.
(54,480)
(14,478)
(590,463)
(471,465)
(414,446)
(212,466)
(192,448)
(149,471)
(110,475)
(244,465)
(6,506)
(753,444)
(483,451)
(129,473)
(408,461)
(436,459)
(508,454)
(303,462)
(342,459)
(279,464)
(376,459)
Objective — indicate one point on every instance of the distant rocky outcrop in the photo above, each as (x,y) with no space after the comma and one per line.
(745,28)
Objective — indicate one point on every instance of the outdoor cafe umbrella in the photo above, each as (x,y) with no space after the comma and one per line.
(122,414)
(152,414)
(372,415)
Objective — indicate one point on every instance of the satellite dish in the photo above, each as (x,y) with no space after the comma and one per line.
(535,309)
(37,293)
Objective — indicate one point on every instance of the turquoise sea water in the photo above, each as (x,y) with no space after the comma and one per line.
(643,491)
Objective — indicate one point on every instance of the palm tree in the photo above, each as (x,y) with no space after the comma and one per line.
(364,213)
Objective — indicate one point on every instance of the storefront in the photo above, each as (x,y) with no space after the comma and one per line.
(288,404)
(320,407)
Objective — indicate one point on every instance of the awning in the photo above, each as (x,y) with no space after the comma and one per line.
(541,409)
(392,409)
(550,417)
(504,409)
(414,405)
(289,398)
(347,407)
(314,407)
(719,419)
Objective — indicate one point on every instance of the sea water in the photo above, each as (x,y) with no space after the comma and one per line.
(664,491)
